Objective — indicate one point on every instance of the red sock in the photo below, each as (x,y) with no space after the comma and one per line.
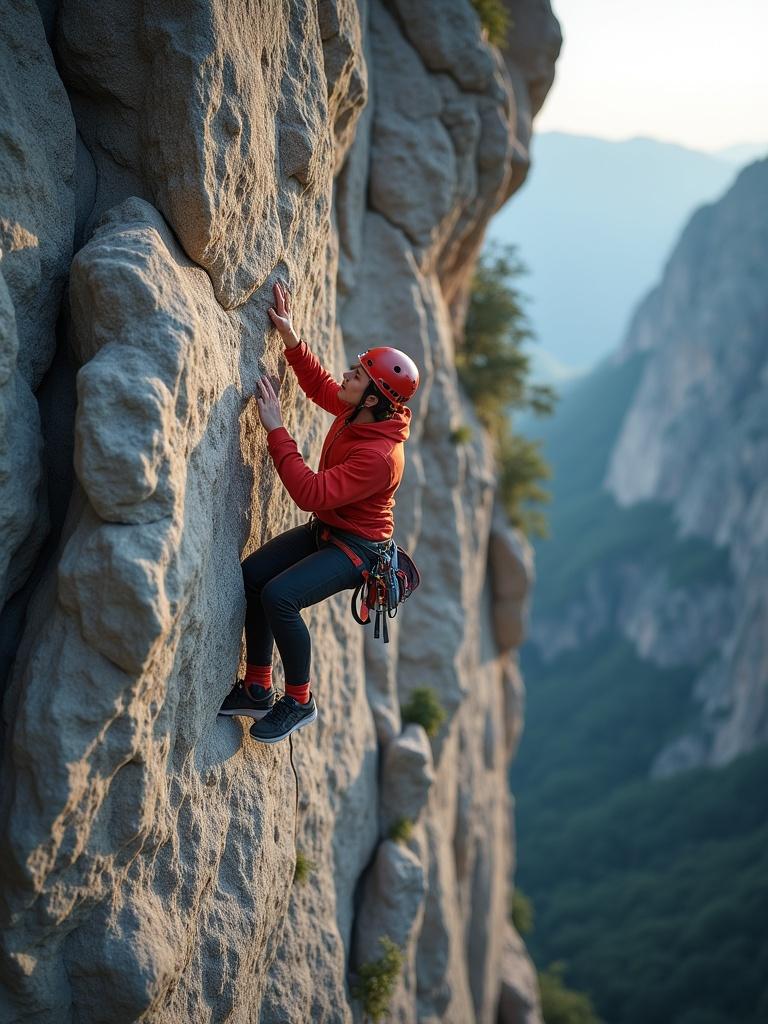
(299,692)
(261,675)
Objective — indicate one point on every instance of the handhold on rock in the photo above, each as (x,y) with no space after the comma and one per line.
(296,152)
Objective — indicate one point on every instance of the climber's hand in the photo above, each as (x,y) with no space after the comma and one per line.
(280,315)
(268,403)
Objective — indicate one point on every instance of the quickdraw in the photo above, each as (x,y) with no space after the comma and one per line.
(383,589)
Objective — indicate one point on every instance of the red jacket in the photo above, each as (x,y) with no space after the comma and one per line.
(361,464)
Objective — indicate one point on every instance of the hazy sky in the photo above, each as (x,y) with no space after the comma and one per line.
(688,71)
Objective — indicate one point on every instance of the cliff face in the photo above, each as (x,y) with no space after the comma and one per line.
(695,439)
(677,540)
(171,165)
(649,653)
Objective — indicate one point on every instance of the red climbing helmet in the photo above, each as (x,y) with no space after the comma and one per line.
(393,372)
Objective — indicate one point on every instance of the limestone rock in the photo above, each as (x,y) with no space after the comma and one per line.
(694,438)
(346,72)
(448,37)
(671,625)
(221,122)
(392,903)
(133,612)
(511,561)
(37,222)
(37,164)
(693,446)
(580,621)
(409,143)
(123,708)
(447,504)
(532,47)
(690,312)
(407,773)
(381,685)
(514,705)
(20,457)
(149,855)
(520,1001)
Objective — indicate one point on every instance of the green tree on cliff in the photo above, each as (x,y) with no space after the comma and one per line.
(494,18)
(562,1005)
(494,370)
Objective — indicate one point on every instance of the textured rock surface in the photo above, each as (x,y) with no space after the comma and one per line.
(407,774)
(149,854)
(37,165)
(520,1001)
(512,574)
(220,119)
(393,906)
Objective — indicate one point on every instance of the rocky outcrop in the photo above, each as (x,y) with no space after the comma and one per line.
(694,438)
(520,1000)
(679,567)
(191,159)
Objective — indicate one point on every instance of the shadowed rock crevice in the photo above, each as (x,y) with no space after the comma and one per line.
(56,410)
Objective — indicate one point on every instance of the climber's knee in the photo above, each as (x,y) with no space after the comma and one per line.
(277,599)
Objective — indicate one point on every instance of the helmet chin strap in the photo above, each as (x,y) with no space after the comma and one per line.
(358,408)
(361,405)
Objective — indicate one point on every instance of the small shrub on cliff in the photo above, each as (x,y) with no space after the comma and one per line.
(561,1005)
(494,18)
(494,370)
(424,709)
(521,470)
(462,434)
(521,912)
(304,867)
(402,830)
(377,980)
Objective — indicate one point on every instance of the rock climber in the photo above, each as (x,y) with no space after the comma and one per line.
(351,499)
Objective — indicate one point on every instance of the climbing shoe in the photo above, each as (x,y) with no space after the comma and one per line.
(285,717)
(252,701)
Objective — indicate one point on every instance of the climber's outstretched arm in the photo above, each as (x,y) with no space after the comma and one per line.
(363,472)
(314,380)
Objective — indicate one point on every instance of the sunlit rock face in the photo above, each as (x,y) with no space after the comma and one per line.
(695,438)
(168,167)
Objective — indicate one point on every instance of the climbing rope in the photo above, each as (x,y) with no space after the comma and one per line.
(296,776)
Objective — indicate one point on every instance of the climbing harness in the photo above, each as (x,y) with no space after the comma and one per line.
(326,534)
(393,579)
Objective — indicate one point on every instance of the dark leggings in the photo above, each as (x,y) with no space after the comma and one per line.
(291,572)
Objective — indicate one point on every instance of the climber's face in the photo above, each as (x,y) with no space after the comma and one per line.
(355,381)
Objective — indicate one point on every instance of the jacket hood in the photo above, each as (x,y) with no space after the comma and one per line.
(397,428)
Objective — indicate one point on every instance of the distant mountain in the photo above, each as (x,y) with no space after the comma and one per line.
(640,783)
(545,367)
(743,153)
(594,224)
